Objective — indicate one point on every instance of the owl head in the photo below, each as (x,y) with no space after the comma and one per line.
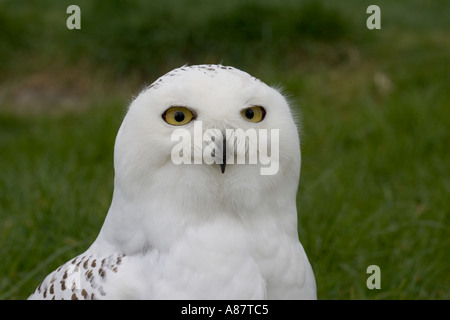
(208,136)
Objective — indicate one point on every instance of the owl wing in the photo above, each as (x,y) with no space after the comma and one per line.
(82,278)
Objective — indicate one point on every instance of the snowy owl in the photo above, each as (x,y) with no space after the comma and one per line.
(181,226)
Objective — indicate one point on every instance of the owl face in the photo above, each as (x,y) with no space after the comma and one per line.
(208,128)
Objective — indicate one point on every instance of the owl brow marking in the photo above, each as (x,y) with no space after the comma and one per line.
(207,68)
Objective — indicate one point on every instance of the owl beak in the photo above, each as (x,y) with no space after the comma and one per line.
(224,155)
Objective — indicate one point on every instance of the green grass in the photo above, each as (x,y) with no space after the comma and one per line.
(375,105)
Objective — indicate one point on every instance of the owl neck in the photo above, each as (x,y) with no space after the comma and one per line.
(140,218)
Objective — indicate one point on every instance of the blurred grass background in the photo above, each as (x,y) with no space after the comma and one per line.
(375,104)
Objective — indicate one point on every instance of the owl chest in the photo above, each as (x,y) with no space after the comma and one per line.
(228,267)
(214,269)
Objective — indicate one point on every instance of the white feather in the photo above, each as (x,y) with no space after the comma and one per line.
(189,231)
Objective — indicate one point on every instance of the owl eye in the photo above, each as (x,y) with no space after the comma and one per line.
(178,116)
(254,114)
